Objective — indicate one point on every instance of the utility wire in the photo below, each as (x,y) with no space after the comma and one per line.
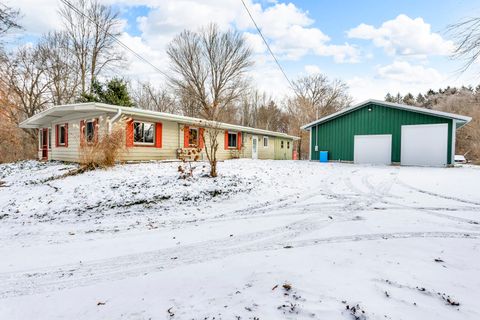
(120,42)
(268,47)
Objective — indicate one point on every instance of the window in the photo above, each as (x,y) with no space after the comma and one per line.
(62,135)
(232,139)
(281,144)
(89,131)
(143,132)
(288,144)
(193,137)
(265,142)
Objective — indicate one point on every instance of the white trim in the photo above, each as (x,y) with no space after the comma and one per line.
(61,110)
(462,120)
(454,134)
(59,131)
(310,145)
(144,143)
(236,139)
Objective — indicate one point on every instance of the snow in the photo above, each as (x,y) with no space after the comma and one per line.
(136,242)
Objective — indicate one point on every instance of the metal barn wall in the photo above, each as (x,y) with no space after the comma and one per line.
(336,135)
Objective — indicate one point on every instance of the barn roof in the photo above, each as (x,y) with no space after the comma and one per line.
(460,120)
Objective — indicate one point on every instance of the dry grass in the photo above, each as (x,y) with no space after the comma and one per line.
(104,152)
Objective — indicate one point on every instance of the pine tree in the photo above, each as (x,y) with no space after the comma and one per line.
(113,92)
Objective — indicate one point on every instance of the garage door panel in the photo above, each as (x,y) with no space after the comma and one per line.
(424,145)
(373,149)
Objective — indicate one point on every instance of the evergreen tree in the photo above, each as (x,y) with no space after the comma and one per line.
(409,99)
(421,100)
(113,92)
(389,98)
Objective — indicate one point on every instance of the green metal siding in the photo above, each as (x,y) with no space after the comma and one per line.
(337,135)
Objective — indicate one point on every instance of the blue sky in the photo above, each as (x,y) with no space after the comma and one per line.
(374,46)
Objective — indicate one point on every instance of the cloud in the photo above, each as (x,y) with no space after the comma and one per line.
(404,36)
(312,69)
(403,71)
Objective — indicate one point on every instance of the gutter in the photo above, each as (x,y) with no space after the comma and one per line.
(115,117)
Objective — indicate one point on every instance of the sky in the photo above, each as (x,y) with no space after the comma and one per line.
(375,47)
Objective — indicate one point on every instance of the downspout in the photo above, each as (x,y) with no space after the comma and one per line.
(111,121)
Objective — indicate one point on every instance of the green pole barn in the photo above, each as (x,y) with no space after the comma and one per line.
(378,132)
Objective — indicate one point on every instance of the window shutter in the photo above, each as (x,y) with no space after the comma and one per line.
(66,135)
(56,135)
(95,130)
(201,142)
(82,132)
(226,139)
(239,140)
(158,135)
(186,136)
(129,134)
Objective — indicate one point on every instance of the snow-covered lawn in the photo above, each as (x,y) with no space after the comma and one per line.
(266,240)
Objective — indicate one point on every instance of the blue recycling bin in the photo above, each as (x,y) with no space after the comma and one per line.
(323,156)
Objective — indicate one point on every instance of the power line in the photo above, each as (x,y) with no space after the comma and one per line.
(115,38)
(268,47)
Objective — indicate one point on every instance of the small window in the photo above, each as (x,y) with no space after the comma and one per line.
(265,142)
(62,135)
(281,144)
(232,139)
(89,131)
(288,144)
(143,132)
(193,137)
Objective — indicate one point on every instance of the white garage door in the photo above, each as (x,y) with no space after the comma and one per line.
(424,145)
(373,149)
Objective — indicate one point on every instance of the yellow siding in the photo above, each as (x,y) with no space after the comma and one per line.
(172,140)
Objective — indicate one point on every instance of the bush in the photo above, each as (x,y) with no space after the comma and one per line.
(105,150)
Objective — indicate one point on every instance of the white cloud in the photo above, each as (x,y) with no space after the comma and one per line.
(312,69)
(404,36)
(403,71)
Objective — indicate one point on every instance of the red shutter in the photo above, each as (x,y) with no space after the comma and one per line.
(129,133)
(56,135)
(82,132)
(201,142)
(226,140)
(239,140)
(186,136)
(66,135)
(158,135)
(95,130)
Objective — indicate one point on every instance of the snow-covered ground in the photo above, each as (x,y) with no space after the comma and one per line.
(266,240)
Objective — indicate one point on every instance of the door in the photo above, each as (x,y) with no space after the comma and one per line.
(254,147)
(424,145)
(373,149)
(45,144)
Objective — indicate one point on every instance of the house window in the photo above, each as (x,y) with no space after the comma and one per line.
(265,142)
(143,132)
(89,131)
(193,137)
(281,144)
(62,135)
(232,139)
(288,144)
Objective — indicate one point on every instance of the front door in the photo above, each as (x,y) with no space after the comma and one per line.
(45,144)
(254,147)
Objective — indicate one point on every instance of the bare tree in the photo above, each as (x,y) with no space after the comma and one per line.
(60,67)
(317,96)
(209,67)
(8,19)
(466,35)
(91,34)
(146,96)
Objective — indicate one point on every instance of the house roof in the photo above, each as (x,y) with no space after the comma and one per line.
(460,120)
(45,117)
